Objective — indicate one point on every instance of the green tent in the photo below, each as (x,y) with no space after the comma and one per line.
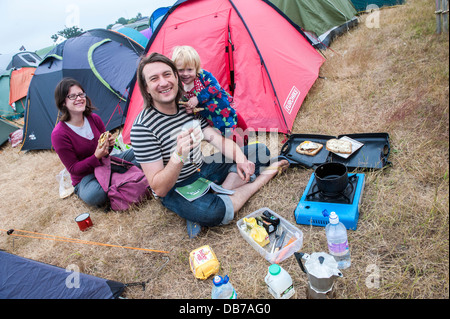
(6,110)
(361,5)
(6,128)
(16,71)
(13,91)
(43,52)
(322,20)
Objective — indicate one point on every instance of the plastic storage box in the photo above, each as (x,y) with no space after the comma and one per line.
(292,232)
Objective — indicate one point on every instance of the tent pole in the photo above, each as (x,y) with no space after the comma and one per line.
(445,15)
(438,13)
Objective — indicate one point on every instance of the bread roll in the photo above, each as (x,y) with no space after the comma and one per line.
(103,138)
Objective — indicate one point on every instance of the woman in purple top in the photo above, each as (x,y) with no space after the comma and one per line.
(75,140)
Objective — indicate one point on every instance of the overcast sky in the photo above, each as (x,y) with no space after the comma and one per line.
(31,23)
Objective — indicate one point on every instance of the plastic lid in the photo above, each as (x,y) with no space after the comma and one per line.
(322,265)
(274,269)
(334,218)
(217,281)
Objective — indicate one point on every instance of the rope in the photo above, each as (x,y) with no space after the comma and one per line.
(327,47)
(117,107)
(72,240)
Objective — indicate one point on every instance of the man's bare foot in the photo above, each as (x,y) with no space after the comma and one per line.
(243,193)
(276,168)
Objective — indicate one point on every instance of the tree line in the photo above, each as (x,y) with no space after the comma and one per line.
(71,32)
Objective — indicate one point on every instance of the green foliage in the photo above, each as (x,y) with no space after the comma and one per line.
(124,21)
(68,33)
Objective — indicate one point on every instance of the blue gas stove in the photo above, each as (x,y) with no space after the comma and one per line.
(315,206)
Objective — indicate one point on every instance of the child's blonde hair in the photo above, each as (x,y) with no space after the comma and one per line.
(186,56)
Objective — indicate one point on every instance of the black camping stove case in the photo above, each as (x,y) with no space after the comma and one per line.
(372,155)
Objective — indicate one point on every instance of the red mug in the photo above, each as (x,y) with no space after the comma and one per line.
(84,221)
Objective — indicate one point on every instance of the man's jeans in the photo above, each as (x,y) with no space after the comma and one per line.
(213,209)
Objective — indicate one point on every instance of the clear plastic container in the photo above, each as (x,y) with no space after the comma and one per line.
(279,282)
(222,288)
(293,238)
(337,241)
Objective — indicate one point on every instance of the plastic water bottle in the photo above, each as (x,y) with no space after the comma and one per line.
(279,282)
(337,241)
(222,288)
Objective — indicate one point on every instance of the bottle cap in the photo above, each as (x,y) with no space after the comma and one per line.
(217,281)
(334,218)
(274,269)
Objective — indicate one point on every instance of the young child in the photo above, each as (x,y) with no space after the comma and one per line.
(204,95)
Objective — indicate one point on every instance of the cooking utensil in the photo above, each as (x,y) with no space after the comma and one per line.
(331,177)
(321,268)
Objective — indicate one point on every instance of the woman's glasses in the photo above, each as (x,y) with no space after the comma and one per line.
(75,96)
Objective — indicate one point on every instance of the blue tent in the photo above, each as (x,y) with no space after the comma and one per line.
(103,61)
(157,16)
(135,35)
(22,278)
(18,60)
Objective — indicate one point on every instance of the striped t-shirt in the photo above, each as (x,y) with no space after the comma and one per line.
(154,137)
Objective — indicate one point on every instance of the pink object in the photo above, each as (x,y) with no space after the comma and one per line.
(274,64)
(123,189)
(147,33)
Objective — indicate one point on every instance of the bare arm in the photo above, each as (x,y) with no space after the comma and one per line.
(162,178)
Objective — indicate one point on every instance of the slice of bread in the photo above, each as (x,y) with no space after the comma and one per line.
(339,146)
(309,148)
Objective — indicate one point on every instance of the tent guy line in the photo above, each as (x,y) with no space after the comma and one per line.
(73,240)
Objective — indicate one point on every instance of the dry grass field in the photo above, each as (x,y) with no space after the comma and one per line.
(392,79)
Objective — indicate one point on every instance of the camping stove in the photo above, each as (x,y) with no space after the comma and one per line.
(315,205)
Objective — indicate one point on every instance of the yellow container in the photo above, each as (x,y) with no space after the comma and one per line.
(203,262)
(258,233)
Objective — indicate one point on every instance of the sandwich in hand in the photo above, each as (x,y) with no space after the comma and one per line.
(309,148)
(103,139)
(339,146)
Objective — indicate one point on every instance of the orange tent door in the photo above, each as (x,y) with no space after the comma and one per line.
(19,83)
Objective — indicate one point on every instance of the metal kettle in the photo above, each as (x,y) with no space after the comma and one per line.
(321,268)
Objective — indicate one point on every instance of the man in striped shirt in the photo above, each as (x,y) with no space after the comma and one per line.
(171,157)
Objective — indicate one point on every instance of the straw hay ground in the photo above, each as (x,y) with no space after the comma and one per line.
(389,79)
